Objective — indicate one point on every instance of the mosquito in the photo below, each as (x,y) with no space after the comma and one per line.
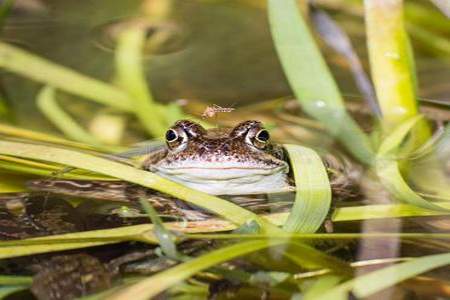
(212,111)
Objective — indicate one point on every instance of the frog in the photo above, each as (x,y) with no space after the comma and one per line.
(240,160)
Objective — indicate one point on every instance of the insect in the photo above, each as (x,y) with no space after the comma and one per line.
(212,110)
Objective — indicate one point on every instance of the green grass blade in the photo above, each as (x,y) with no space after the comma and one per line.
(131,77)
(77,240)
(152,286)
(5,9)
(310,78)
(15,280)
(376,281)
(313,191)
(306,256)
(388,169)
(22,133)
(9,252)
(392,65)
(392,142)
(47,104)
(322,284)
(5,291)
(391,178)
(99,165)
(381,211)
(11,183)
(142,232)
(36,68)
(321,236)
(24,166)
(165,238)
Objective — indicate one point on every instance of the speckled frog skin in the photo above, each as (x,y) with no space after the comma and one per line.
(222,161)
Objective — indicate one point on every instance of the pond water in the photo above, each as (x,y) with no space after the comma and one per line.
(198,54)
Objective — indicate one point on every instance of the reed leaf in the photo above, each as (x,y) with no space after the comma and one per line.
(152,286)
(313,190)
(25,166)
(77,240)
(39,69)
(47,104)
(11,183)
(131,77)
(367,285)
(22,133)
(388,169)
(15,280)
(392,65)
(5,291)
(310,78)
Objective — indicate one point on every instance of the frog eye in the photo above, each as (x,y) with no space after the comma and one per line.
(262,136)
(171,135)
(260,139)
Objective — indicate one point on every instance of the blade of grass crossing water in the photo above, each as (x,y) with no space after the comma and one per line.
(390,176)
(306,256)
(388,169)
(5,291)
(15,280)
(165,238)
(36,68)
(152,286)
(313,191)
(47,104)
(131,76)
(322,284)
(376,281)
(310,78)
(22,133)
(392,65)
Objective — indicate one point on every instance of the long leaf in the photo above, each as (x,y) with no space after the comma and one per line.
(15,280)
(77,240)
(156,284)
(47,104)
(22,133)
(388,169)
(313,191)
(390,176)
(310,78)
(34,67)
(392,65)
(131,77)
(8,290)
(376,281)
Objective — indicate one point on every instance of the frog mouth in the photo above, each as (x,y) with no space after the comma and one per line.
(206,173)
(230,181)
